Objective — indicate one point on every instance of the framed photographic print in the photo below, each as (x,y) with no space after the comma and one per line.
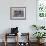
(18,13)
(41,9)
(41,12)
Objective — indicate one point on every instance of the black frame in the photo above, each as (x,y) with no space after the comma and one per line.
(17,18)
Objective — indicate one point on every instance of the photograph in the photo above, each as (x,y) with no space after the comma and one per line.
(18,13)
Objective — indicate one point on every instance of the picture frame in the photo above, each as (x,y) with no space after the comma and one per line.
(17,13)
(41,12)
(41,9)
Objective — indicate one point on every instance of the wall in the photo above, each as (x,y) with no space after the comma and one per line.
(24,25)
